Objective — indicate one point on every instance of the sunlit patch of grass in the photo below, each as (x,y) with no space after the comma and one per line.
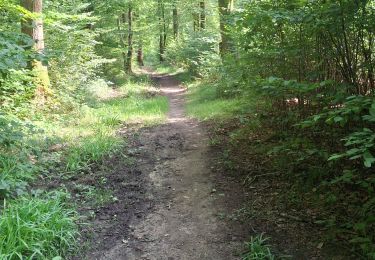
(203,103)
(91,133)
(165,68)
(36,228)
(136,109)
(91,149)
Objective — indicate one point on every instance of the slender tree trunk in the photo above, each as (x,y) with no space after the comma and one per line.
(196,19)
(225,8)
(161,48)
(129,57)
(140,55)
(34,28)
(175,21)
(202,18)
(122,19)
(163,31)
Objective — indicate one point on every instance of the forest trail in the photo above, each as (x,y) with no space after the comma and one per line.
(178,214)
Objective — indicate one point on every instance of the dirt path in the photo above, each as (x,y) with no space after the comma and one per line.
(174,202)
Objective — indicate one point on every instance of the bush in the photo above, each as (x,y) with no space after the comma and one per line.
(197,53)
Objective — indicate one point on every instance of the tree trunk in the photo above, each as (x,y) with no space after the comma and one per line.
(163,31)
(225,8)
(196,20)
(202,18)
(140,56)
(161,48)
(129,57)
(34,28)
(122,41)
(175,22)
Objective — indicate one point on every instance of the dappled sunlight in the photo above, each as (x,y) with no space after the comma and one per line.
(173,90)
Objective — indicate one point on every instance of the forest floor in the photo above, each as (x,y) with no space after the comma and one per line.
(171,198)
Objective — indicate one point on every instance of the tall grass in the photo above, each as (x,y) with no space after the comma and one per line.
(36,228)
(94,135)
(204,103)
(91,149)
(90,132)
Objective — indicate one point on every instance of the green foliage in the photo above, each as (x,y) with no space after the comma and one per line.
(197,53)
(84,137)
(17,90)
(205,104)
(15,151)
(16,84)
(37,228)
(91,149)
(303,71)
(73,61)
(15,51)
(257,249)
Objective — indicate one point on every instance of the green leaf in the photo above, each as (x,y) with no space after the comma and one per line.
(317,117)
(338,119)
(369,159)
(336,157)
(361,226)
(353,151)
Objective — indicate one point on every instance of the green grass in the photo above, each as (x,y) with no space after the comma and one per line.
(37,228)
(204,104)
(43,228)
(86,134)
(258,249)
(92,133)
(91,149)
(164,68)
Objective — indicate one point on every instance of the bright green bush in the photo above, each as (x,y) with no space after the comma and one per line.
(198,53)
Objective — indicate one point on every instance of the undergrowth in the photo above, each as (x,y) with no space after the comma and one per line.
(204,103)
(65,143)
(258,249)
(260,140)
(37,228)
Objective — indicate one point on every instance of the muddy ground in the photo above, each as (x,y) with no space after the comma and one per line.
(173,199)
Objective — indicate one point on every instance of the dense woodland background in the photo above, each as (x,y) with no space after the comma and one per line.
(295,79)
